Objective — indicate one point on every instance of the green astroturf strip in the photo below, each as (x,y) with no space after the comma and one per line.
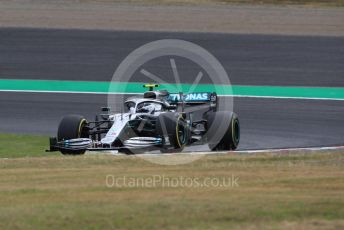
(134,87)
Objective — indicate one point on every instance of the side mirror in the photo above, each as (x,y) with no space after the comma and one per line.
(172,107)
(105,109)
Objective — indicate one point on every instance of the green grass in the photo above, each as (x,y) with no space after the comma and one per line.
(312,3)
(289,191)
(13,145)
(289,2)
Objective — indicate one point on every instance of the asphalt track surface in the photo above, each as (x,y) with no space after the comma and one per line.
(249,60)
(95,55)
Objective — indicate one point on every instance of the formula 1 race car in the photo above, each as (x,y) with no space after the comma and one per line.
(157,121)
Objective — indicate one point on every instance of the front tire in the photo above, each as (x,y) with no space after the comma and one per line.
(72,127)
(174,127)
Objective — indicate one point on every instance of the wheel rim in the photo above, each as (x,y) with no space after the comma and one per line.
(181,134)
(81,131)
(236,131)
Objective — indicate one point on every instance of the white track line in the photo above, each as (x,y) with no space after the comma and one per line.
(283,150)
(114,93)
(293,149)
(310,149)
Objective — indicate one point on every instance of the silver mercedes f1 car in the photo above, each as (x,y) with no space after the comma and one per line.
(158,120)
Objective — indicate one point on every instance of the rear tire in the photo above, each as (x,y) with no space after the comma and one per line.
(71,127)
(231,136)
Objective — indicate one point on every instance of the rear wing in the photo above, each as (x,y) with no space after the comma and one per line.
(193,98)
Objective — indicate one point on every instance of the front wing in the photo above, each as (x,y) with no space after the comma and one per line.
(82,144)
